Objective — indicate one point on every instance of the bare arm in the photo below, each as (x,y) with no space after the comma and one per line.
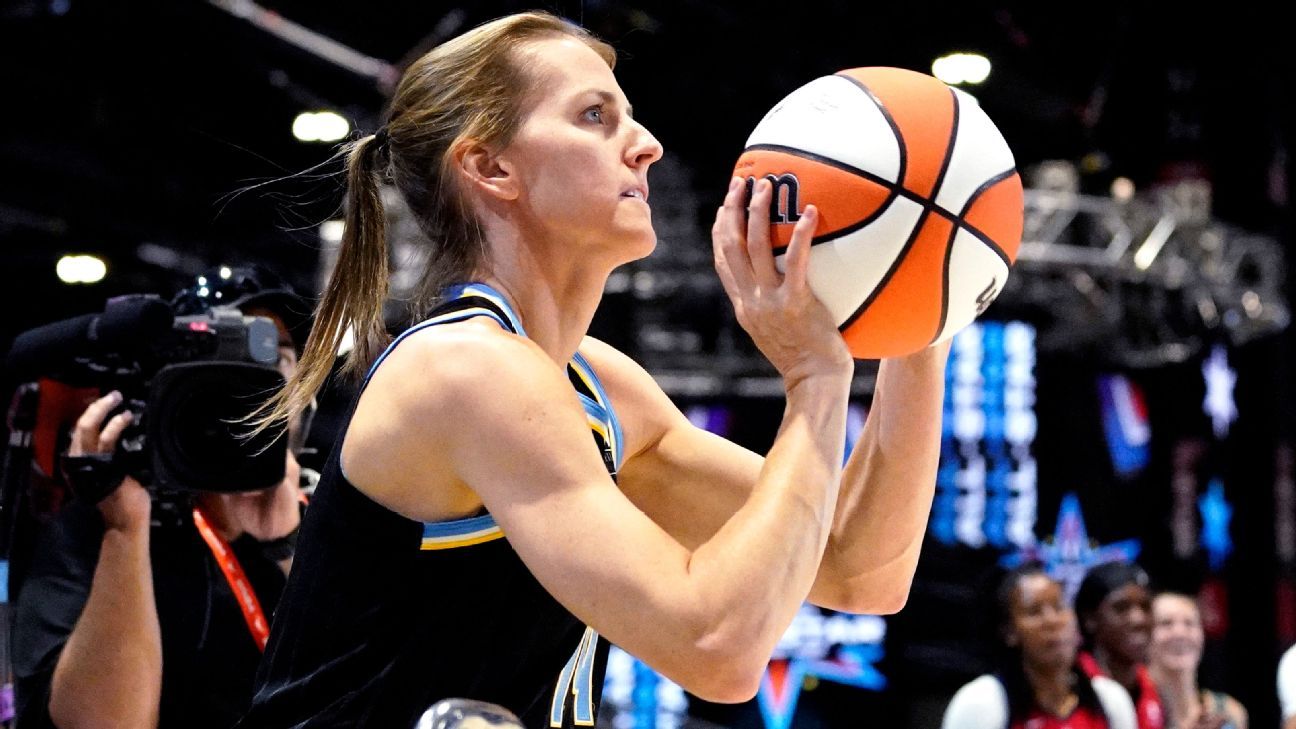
(110,672)
(708,616)
(887,489)
(690,481)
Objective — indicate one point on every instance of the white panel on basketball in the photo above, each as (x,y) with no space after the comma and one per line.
(976,272)
(843,272)
(980,153)
(833,117)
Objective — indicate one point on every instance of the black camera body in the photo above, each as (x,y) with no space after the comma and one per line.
(191,381)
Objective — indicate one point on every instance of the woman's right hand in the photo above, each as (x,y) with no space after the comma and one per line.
(128,507)
(784,318)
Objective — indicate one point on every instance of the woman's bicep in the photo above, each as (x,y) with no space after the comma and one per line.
(527,452)
(691,481)
(687,480)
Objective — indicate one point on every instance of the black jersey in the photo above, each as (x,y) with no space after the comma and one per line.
(383,616)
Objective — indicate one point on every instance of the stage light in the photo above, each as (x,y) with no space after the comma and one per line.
(320,126)
(1122,189)
(331,231)
(961,68)
(80,269)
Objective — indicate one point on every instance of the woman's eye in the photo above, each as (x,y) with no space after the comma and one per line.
(594,114)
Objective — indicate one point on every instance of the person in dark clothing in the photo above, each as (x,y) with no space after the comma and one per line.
(123,620)
(510,494)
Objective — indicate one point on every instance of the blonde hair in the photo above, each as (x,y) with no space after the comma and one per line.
(471,87)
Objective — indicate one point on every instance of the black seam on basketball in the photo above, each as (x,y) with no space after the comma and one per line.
(812,156)
(949,149)
(984,187)
(895,128)
(989,243)
(977,232)
(868,220)
(895,266)
(896,189)
(949,253)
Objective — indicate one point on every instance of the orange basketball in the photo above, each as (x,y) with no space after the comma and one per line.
(920,203)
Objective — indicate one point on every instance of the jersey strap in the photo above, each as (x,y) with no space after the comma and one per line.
(465,301)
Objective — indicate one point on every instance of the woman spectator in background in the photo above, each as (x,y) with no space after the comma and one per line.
(1174,654)
(1114,604)
(1038,685)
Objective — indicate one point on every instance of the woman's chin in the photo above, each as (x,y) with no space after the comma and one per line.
(639,243)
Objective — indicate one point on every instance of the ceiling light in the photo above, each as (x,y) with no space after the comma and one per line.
(320,126)
(961,68)
(80,269)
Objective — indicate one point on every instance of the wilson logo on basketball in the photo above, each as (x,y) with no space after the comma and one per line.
(787,190)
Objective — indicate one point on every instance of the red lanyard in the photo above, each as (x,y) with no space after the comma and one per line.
(237,580)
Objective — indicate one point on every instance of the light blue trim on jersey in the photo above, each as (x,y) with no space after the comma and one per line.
(558,704)
(458,527)
(444,319)
(618,448)
(458,291)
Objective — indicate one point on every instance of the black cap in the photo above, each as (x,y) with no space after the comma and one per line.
(1101,581)
(247,287)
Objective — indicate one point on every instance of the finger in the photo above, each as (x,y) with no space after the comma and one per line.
(729,240)
(85,434)
(759,254)
(113,430)
(797,263)
(726,278)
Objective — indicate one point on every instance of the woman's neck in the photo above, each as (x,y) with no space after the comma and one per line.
(1123,673)
(555,300)
(1053,688)
(1178,692)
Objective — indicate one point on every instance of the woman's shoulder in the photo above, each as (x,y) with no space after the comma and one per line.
(473,348)
(1116,703)
(438,380)
(1231,707)
(982,703)
(625,379)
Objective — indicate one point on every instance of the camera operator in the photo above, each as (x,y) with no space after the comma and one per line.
(126,619)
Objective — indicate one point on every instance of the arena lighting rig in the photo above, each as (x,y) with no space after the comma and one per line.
(1143,281)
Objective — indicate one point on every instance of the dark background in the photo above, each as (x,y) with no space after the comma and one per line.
(130,126)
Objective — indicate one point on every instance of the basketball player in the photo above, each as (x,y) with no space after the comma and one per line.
(470,538)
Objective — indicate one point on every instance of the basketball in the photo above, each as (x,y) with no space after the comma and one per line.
(920,203)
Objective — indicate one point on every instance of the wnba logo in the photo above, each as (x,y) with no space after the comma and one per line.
(784,207)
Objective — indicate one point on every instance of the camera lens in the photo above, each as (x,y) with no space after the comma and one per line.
(195,431)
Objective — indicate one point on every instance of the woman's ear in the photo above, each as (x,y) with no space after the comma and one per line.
(484,170)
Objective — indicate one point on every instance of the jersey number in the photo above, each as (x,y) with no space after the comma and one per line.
(577,679)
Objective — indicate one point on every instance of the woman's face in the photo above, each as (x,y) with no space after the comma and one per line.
(580,159)
(1121,625)
(1042,623)
(1177,634)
